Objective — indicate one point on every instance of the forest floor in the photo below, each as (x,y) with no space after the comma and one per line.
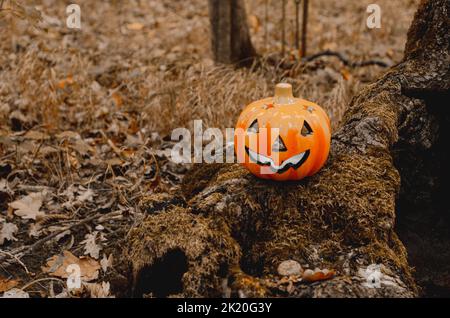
(86,116)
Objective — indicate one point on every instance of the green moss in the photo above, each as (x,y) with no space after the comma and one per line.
(205,243)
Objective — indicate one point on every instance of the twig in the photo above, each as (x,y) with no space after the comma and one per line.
(112,145)
(69,227)
(17,260)
(344,60)
(26,249)
(41,280)
(37,150)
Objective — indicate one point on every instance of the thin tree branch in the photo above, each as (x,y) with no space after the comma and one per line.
(345,60)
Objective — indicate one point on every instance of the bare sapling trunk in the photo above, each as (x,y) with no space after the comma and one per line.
(230,37)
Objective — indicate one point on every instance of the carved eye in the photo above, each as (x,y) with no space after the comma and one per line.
(254,127)
(306,129)
(279,145)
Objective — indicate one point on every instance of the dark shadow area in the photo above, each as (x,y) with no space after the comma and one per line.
(423,214)
(164,277)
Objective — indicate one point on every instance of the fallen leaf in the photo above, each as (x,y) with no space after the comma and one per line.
(86,196)
(98,290)
(90,245)
(28,207)
(106,262)
(57,265)
(15,293)
(7,232)
(3,185)
(35,230)
(7,284)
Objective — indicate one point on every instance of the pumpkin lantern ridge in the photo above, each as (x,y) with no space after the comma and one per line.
(284,138)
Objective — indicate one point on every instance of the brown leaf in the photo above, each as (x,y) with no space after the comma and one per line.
(106,262)
(7,231)
(57,265)
(7,284)
(91,247)
(15,293)
(28,207)
(98,290)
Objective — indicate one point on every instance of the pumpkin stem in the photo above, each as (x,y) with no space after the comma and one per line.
(283,94)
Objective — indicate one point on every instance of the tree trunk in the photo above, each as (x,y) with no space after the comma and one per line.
(231,230)
(230,38)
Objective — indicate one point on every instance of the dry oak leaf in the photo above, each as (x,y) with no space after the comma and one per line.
(7,284)
(90,245)
(15,293)
(98,290)
(7,231)
(28,207)
(58,264)
(106,262)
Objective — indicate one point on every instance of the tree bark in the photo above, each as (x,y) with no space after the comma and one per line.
(230,37)
(231,230)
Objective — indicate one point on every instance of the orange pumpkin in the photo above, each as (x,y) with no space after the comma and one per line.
(282,137)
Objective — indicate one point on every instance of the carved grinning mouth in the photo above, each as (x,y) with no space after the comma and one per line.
(293,162)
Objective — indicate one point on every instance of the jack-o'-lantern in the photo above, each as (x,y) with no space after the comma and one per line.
(282,137)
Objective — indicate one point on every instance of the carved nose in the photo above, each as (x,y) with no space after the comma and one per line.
(278,145)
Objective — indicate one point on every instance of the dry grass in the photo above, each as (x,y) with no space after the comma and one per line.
(164,68)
